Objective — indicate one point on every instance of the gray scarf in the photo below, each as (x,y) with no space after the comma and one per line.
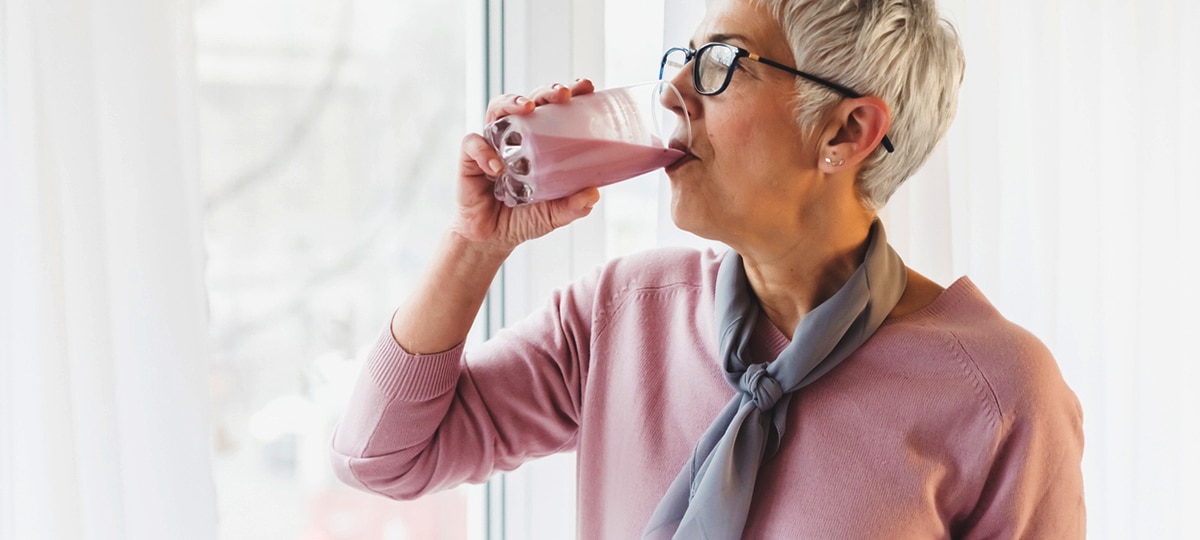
(710,498)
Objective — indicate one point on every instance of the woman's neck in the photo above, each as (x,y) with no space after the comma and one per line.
(792,274)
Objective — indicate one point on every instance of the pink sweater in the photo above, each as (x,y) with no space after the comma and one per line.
(951,422)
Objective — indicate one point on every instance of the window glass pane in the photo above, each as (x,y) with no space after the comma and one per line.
(633,47)
(329,134)
(637,213)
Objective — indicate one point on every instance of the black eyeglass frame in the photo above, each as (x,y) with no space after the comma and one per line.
(739,53)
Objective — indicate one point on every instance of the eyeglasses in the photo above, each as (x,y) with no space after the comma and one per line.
(714,66)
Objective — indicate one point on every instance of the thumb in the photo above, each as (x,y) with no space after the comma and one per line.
(568,209)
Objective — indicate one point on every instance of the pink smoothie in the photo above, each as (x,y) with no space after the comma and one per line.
(561,166)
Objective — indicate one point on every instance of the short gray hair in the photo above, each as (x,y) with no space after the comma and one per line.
(898,50)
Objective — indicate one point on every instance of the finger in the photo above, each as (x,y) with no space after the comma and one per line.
(506,104)
(568,209)
(582,86)
(554,93)
(478,157)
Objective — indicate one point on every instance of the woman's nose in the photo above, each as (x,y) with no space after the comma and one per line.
(684,101)
(675,100)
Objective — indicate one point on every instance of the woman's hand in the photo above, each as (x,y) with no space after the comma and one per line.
(487,222)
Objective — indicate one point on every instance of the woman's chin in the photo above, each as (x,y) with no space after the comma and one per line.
(690,208)
(685,216)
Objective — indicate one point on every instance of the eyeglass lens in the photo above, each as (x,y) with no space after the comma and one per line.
(713,65)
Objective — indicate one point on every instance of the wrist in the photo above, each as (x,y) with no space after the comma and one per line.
(476,253)
(439,313)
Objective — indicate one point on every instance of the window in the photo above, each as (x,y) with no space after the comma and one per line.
(329,135)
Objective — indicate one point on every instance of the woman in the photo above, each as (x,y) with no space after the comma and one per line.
(804,384)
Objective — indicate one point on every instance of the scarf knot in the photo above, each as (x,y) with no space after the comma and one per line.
(764,390)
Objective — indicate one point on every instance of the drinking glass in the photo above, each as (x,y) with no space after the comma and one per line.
(595,139)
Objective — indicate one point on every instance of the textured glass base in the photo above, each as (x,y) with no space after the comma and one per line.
(508,142)
(512,191)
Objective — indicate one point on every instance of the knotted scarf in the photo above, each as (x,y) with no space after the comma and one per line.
(710,498)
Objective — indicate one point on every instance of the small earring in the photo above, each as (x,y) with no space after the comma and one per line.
(832,163)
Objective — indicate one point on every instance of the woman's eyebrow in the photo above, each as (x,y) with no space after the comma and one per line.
(721,38)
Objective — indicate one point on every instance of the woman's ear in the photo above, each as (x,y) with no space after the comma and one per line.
(860,124)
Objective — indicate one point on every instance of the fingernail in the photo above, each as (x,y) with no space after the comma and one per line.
(555,86)
(521,100)
(495,165)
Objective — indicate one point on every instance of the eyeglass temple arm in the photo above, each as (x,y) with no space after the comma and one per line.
(886,142)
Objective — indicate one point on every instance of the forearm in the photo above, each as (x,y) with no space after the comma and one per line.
(420,423)
(442,310)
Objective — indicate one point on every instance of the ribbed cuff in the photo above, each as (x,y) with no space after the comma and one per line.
(409,377)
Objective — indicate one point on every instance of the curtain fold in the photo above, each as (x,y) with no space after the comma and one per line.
(103,337)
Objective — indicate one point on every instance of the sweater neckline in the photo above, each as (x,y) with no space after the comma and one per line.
(962,288)
(774,341)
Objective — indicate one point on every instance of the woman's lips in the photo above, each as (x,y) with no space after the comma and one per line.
(679,163)
(677,144)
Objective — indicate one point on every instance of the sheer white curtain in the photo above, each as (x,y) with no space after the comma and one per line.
(1066,190)
(102,313)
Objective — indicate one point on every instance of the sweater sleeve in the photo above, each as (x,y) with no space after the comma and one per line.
(1034,488)
(418,424)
